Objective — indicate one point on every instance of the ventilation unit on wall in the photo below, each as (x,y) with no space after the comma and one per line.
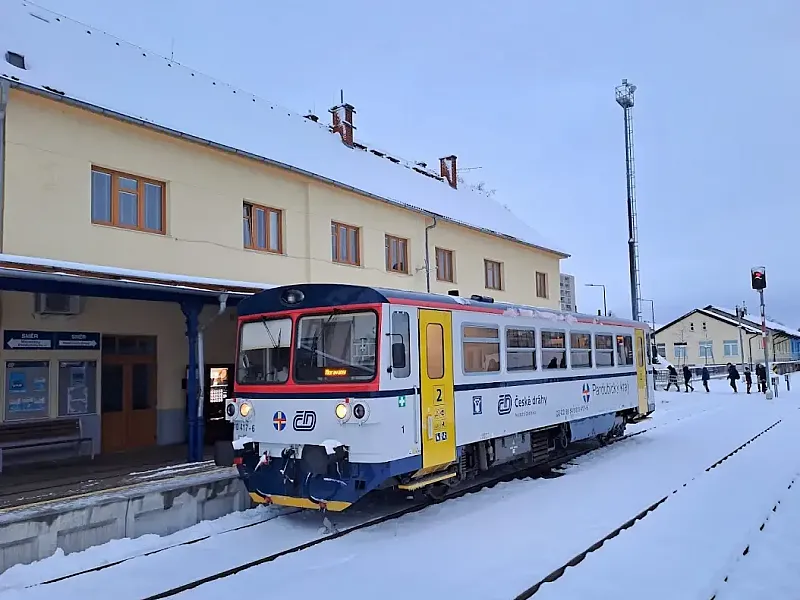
(57,304)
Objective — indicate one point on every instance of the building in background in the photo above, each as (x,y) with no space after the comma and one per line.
(126,198)
(568,293)
(710,336)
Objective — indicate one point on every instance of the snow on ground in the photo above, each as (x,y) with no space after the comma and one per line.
(771,568)
(693,536)
(517,532)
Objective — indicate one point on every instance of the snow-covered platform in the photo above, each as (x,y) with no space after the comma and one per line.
(40,515)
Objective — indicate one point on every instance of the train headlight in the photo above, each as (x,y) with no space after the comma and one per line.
(359,411)
(231,410)
(245,409)
(342,411)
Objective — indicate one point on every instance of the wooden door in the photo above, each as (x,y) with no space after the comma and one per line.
(128,395)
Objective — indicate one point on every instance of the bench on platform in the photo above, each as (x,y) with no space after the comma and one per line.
(42,433)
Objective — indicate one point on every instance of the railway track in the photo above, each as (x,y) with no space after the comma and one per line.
(481,484)
(597,545)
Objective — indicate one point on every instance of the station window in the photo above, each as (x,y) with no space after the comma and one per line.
(624,350)
(604,350)
(481,348)
(262,228)
(401,332)
(434,344)
(554,350)
(444,265)
(128,201)
(580,350)
(520,349)
(493,272)
(396,254)
(345,244)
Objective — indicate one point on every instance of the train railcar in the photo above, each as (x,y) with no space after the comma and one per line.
(342,389)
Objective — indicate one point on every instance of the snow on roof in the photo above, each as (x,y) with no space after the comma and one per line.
(727,318)
(185,281)
(773,325)
(77,62)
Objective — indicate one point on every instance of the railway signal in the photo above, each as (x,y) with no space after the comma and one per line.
(758,279)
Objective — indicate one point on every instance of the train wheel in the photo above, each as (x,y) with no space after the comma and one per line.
(437,491)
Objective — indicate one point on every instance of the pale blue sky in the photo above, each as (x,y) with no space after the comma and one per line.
(525,90)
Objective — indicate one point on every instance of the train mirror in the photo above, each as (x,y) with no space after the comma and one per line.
(398,355)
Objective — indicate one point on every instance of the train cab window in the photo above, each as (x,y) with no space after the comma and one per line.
(400,345)
(520,350)
(624,350)
(264,348)
(554,350)
(480,348)
(336,347)
(580,350)
(604,350)
(434,350)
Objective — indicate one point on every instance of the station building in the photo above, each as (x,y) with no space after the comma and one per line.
(140,200)
(710,336)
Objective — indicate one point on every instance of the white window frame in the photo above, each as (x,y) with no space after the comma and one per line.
(726,344)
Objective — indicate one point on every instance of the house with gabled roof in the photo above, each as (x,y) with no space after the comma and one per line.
(135,193)
(715,336)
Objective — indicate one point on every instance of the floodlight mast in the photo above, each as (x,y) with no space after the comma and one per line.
(624,95)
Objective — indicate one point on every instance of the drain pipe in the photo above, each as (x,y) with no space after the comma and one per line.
(4,87)
(428,256)
(201,363)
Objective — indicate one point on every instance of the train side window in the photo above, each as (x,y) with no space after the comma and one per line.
(480,348)
(520,349)
(554,350)
(604,350)
(624,350)
(580,350)
(434,343)
(401,345)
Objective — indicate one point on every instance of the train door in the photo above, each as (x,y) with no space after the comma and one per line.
(641,372)
(437,397)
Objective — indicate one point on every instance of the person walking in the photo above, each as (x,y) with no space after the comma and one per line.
(705,377)
(672,379)
(733,375)
(748,378)
(687,378)
(761,375)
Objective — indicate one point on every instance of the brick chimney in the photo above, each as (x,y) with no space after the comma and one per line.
(343,122)
(447,167)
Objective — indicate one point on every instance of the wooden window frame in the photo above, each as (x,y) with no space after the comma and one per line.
(268,210)
(498,276)
(546,285)
(401,242)
(335,234)
(439,274)
(115,189)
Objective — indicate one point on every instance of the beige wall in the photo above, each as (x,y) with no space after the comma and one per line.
(121,317)
(715,331)
(51,147)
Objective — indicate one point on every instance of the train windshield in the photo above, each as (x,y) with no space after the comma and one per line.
(336,347)
(264,348)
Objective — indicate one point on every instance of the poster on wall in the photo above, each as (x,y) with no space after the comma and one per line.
(27,389)
(76,387)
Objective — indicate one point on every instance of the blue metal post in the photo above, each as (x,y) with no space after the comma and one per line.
(192,313)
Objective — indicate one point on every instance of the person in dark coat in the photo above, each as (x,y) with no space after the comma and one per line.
(733,375)
(687,378)
(748,378)
(705,377)
(672,379)
(761,375)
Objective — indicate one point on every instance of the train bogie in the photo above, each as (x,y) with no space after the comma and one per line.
(390,389)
